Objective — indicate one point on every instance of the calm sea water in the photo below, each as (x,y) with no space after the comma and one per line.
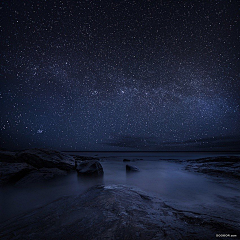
(165,179)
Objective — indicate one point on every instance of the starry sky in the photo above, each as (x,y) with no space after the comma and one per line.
(120,75)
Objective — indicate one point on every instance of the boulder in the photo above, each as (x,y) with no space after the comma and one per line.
(12,172)
(89,167)
(131,168)
(42,158)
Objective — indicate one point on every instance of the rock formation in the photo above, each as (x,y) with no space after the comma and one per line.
(131,168)
(35,165)
(89,167)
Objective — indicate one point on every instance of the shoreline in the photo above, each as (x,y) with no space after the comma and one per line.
(119,206)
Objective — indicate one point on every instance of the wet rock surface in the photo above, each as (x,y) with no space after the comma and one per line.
(89,167)
(227,167)
(130,168)
(113,212)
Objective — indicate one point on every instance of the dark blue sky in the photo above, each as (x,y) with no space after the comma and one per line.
(120,75)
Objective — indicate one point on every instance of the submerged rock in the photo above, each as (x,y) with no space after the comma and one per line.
(91,167)
(131,168)
(126,160)
(113,212)
(12,172)
(41,158)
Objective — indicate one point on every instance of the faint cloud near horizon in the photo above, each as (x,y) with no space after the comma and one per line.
(218,143)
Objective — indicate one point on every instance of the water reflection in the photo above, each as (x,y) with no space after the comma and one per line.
(89,181)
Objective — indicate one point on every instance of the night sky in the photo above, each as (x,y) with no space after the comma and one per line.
(120,75)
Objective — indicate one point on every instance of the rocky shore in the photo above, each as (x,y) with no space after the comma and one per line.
(220,167)
(107,212)
(113,212)
(37,165)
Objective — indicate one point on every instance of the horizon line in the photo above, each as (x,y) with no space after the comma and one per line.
(143,151)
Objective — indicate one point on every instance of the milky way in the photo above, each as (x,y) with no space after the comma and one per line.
(120,75)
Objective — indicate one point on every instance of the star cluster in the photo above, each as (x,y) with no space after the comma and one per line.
(120,75)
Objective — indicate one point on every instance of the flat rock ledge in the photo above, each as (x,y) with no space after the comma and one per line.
(37,165)
(222,166)
(113,212)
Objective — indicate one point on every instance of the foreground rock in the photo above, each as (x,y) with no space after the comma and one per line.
(91,167)
(12,172)
(113,212)
(130,168)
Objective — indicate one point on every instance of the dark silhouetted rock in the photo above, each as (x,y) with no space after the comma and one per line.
(13,172)
(113,212)
(40,175)
(131,168)
(35,165)
(126,160)
(91,167)
(42,158)
(6,156)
